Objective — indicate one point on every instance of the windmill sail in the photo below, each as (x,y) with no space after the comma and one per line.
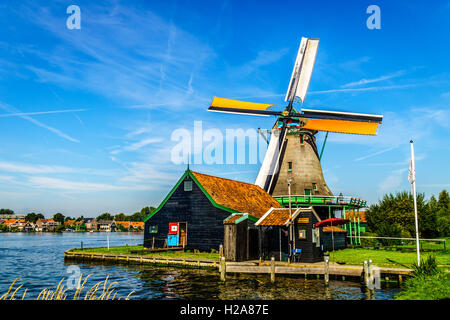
(303,67)
(269,159)
(243,107)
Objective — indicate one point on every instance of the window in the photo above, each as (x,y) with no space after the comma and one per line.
(153,229)
(188,185)
(302,234)
(302,140)
(307,192)
(289,166)
(315,186)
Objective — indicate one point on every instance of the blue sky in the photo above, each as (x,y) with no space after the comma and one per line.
(86,115)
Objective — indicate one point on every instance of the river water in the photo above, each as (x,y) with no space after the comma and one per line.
(39,261)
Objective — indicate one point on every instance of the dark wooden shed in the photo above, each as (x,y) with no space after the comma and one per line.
(281,233)
(241,237)
(196,207)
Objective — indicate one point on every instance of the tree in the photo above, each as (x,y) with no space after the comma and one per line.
(31,217)
(428,221)
(105,216)
(443,214)
(121,217)
(58,217)
(395,209)
(6,211)
(40,216)
(140,216)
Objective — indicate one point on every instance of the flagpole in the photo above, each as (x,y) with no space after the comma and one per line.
(413,175)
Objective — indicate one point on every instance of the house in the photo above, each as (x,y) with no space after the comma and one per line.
(106,225)
(45,225)
(29,227)
(131,225)
(288,233)
(69,223)
(16,223)
(357,219)
(90,223)
(192,213)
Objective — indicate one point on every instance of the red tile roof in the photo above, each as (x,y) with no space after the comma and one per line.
(353,216)
(236,195)
(277,217)
(333,228)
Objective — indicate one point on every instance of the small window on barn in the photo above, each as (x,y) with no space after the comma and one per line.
(315,186)
(302,234)
(153,229)
(188,185)
(289,166)
(302,140)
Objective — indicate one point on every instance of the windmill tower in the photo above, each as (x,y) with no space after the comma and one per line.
(292,161)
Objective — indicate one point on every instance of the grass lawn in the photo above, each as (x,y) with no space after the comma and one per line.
(386,258)
(164,254)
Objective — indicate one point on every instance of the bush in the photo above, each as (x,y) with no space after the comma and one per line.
(427,267)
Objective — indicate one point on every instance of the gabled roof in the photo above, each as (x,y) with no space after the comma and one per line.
(237,195)
(236,218)
(280,217)
(353,216)
(333,228)
(229,195)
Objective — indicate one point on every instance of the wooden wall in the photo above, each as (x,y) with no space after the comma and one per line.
(236,241)
(205,229)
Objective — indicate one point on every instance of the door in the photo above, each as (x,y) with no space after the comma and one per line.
(182,233)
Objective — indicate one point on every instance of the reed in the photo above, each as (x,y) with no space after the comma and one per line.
(107,292)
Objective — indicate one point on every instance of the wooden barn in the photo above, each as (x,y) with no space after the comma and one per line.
(282,236)
(193,212)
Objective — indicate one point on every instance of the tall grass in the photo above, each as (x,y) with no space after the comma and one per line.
(99,291)
(427,283)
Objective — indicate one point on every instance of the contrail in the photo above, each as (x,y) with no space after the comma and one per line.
(21,114)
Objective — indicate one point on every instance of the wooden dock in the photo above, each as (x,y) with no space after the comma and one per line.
(335,270)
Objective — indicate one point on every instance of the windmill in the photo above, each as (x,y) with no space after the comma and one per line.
(292,161)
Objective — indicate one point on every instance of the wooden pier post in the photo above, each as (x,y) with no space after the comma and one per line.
(370,272)
(366,273)
(272,269)
(153,243)
(223,268)
(220,251)
(326,274)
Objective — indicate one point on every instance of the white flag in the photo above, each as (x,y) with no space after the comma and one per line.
(411,174)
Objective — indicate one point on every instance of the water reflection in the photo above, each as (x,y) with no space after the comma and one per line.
(39,259)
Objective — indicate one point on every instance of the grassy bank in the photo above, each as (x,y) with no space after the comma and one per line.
(164,254)
(433,287)
(386,258)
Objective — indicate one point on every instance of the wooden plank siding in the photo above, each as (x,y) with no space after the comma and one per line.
(205,229)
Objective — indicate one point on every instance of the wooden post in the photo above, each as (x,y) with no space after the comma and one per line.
(220,251)
(272,269)
(107,240)
(366,273)
(326,275)
(223,270)
(369,266)
(81,245)
(153,243)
